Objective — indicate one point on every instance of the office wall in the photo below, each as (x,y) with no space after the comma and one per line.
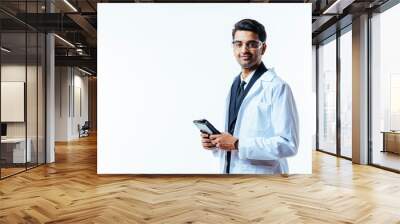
(33,126)
(13,98)
(80,112)
(62,80)
(17,73)
(71,102)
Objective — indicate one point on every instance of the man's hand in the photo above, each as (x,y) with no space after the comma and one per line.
(206,141)
(224,141)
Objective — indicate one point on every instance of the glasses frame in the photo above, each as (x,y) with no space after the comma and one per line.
(246,44)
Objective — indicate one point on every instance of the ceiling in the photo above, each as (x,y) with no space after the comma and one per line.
(76,22)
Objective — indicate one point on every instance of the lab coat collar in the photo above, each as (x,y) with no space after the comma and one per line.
(269,75)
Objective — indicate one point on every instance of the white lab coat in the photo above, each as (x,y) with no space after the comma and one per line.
(267,129)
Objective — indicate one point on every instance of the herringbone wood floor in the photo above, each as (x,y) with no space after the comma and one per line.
(70,191)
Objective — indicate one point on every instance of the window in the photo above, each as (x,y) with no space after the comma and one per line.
(327,97)
(385,89)
(346,94)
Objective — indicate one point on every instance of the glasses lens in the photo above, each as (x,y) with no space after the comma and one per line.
(237,44)
(253,44)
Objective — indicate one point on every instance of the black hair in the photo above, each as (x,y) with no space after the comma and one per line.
(250,25)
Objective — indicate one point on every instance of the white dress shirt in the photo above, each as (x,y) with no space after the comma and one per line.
(247,79)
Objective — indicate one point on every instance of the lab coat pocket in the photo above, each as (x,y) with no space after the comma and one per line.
(263,116)
(264,106)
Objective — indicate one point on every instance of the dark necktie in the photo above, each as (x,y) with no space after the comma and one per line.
(241,89)
(238,96)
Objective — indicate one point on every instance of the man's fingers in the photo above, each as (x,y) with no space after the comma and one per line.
(205,140)
(208,145)
(214,136)
(203,135)
(216,140)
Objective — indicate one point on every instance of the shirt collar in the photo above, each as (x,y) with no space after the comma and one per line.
(248,78)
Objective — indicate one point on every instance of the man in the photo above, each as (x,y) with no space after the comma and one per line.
(261,120)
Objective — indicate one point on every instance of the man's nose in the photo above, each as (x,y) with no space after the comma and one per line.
(244,48)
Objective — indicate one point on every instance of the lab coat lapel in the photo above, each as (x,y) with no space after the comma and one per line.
(260,72)
(254,90)
(257,74)
(232,101)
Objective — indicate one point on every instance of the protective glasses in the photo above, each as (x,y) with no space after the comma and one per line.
(252,44)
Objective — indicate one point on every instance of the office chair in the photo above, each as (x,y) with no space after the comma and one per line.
(84,130)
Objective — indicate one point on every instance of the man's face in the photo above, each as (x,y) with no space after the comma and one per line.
(247,48)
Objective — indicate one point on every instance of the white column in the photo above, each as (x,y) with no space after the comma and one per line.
(50,93)
(360,90)
(50,110)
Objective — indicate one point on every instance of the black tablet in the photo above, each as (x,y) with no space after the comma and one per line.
(206,127)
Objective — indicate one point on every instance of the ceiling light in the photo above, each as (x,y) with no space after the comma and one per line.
(338,6)
(70,5)
(333,6)
(64,40)
(5,50)
(84,71)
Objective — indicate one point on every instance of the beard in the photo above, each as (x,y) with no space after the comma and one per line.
(247,64)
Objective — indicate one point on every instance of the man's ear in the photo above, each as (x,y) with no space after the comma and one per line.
(264,48)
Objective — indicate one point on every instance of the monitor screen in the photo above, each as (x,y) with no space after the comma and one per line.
(3,129)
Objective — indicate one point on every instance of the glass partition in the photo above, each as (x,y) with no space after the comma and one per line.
(346,94)
(22,101)
(327,96)
(41,85)
(14,153)
(32,85)
(32,96)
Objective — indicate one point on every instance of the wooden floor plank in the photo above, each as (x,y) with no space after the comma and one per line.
(70,191)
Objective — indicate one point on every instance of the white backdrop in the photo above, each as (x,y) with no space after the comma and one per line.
(161,66)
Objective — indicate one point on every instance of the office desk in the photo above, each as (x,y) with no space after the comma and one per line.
(13,150)
(391,141)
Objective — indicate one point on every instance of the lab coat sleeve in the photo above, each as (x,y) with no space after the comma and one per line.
(284,119)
